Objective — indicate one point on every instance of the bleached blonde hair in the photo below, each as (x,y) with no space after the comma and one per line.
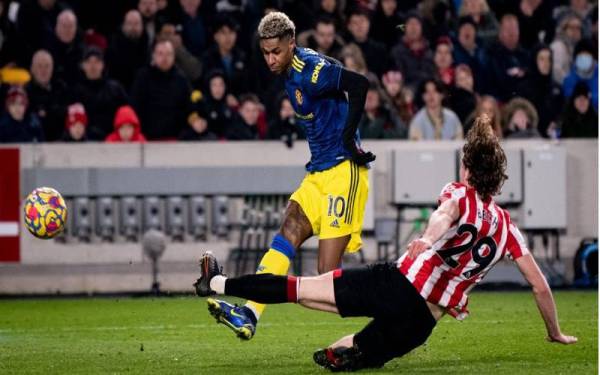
(276,25)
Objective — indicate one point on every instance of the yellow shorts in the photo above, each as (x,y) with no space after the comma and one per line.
(334,201)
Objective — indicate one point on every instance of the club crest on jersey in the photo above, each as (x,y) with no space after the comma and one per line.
(299,98)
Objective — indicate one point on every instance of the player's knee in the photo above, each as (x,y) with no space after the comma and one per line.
(324,267)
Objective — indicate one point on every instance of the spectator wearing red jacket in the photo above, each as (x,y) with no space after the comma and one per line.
(127,127)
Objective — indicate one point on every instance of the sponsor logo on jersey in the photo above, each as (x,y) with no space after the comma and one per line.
(315,75)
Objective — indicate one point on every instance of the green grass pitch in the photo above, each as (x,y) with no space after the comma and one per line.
(503,335)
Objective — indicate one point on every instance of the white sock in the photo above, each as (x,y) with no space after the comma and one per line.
(217,284)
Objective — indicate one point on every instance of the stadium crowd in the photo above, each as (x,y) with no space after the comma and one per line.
(131,71)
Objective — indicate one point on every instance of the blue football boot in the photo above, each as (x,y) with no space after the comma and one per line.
(240,320)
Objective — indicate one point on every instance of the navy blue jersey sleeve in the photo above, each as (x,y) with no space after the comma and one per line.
(321,77)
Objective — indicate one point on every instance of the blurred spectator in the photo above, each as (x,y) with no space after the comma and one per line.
(332,9)
(47,95)
(442,58)
(76,123)
(585,69)
(483,18)
(434,121)
(374,52)
(284,126)
(579,119)
(36,21)
(535,21)
(539,88)
(66,47)
(489,106)
(190,65)
(384,26)
(194,33)
(436,19)
(412,55)
(100,96)
(401,98)
(508,61)
(593,18)
(520,119)
(353,60)
(128,49)
(225,56)
(198,126)
(323,38)
(462,99)
(377,121)
(582,8)
(467,50)
(127,127)
(245,125)
(16,124)
(160,95)
(568,33)
(11,48)
(218,103)
(148,10)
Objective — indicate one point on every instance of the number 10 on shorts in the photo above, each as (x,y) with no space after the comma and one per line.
(337,206)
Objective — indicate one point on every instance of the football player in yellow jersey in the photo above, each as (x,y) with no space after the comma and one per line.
(328,101)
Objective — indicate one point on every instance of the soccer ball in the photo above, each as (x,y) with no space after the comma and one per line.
(45,212)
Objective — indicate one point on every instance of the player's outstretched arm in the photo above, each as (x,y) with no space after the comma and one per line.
(439,223)
(543,298)
(356,85)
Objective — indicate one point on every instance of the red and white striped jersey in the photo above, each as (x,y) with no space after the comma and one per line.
(483,235)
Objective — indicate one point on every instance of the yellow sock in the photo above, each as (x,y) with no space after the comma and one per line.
(273,262)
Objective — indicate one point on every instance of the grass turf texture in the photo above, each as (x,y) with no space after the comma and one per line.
(504,335)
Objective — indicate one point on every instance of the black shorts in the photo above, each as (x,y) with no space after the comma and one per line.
(402,321)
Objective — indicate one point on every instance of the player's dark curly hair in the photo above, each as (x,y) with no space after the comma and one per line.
(484,158)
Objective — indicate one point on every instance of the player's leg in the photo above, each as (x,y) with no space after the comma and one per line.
(295,229)
(331,251)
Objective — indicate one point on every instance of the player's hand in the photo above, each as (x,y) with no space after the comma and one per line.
(417,246)
(361,157)
(562,339)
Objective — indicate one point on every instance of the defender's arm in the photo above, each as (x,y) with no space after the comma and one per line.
(543,299)
(439,222)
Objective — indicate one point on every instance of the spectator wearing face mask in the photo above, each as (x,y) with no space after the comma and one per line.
(579,119)
(127,127)
(520,119)
(16,124)
(128,50)
(75,124)
(585,69)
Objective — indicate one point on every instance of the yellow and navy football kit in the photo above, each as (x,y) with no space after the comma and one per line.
(334,192)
